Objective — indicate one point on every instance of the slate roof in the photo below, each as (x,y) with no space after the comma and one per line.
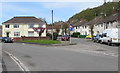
(80,23)
(24,19)
(54,26)
(96,20)
(114,17)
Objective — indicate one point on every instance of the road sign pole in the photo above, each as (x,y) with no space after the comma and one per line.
(70,37)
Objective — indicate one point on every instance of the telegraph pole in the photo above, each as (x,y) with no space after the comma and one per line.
(52,24)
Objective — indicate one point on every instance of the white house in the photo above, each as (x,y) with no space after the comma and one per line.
(17,27)
(99,24)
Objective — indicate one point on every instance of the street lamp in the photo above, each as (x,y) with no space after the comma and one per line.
(52,24)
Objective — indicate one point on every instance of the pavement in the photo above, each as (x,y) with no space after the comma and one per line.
(62,58)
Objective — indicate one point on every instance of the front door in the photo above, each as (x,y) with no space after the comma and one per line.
(7,34)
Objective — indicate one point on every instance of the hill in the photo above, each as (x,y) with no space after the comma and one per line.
(106,9)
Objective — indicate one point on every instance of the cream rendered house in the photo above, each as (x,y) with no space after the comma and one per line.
(107,23)
(82,28)
(22,26)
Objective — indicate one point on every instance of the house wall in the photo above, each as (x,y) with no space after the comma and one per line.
(82,30)
(102,27)
(0,32)
(23,29)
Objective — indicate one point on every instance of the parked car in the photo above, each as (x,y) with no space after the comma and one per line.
(7,40)
(97,38)
(111,36)
(65,38)
(89,36)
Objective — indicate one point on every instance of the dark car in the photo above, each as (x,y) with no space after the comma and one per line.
(7,40)
(97,38)
(65,38)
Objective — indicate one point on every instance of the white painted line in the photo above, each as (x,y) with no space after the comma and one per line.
(23,43)
(97,52)
(18,62)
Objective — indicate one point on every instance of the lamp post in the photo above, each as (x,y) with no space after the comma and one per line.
(52,24)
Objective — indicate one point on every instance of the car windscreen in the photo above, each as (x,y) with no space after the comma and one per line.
(5,38)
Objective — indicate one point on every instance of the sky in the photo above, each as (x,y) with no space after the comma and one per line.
(62,10)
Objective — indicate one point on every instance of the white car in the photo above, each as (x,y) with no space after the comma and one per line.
(110,36)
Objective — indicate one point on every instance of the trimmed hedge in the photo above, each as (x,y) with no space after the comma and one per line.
(82,36)
(55,35)
(75,34)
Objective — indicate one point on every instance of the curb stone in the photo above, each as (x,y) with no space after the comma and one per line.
(48,44)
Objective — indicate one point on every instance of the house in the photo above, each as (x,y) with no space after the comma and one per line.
(98,24)
(0,30)
(106,23)
(57,27)
(22,26)
(54,28)
(81,27)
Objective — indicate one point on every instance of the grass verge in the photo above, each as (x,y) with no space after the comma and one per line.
(41,41)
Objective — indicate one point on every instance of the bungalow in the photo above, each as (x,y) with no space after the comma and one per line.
(54,28)
(57,27)
(23,26)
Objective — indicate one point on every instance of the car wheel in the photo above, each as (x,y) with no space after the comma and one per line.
(98,41)
(109,43)
(101,42)
(94,41)
(4,41)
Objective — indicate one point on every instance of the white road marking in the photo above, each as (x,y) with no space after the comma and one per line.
(18,62)
(97,52)
(23,43)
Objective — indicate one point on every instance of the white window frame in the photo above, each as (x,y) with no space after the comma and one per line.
(40,25)
(30,34)
(16,26)
(29,26)
(17,34)
(7,26)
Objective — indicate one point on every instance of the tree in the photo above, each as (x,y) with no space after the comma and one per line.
(91,30)
(57,30)
(65,27)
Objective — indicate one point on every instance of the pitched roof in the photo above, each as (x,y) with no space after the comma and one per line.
(96,20)
(80,23)
(112,18)
(24,19)
(54,26)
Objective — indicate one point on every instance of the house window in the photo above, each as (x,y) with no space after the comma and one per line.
(30,25)
(85,27)
(76,27)
(101,25)
(7,26)
(16,34)
(16,26)
(40,25)
(30,33)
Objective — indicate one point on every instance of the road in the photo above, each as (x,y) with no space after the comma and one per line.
(60,58)
(0,57)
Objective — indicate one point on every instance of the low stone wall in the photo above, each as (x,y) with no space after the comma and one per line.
(31,38)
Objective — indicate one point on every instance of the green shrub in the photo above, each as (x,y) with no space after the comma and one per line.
(55,35)
(75,34)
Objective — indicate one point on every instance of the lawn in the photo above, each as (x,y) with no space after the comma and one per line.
(41,41)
